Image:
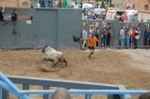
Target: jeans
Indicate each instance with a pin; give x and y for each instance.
(121, 43)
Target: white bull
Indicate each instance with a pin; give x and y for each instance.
(50, 54)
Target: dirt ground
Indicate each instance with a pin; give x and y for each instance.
(128, 67)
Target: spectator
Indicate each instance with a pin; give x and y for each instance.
(14, 18)
(123, 17)
(92, 29)
(122, 37)
(127, 38)
(135, 33)
(2, 16)
(42, 3)
(61, 93)
(130, 39)
(117, 16)
(109, 34)
(147, 37)
(145, 96)
(38, 5)
(97, 36)
(2, 19)
(84, 36)
(92, 16)
(103, 38)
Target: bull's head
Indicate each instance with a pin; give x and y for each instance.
(43, 49)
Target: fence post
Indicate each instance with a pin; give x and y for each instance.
(142, 33)
(47, 95)
(114, 97)
(0, 92)
(34, 29)
(5, 94)
(25, 86)
(87, 96)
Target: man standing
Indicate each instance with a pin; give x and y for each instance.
(2, 16)
(122, 37)
(14, 21)
(2, 19)
(84, 36)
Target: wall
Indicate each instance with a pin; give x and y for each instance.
(9, 3)
(16, 3)
(24, 3)
(118, 3)
(53, 27)
(139, 4)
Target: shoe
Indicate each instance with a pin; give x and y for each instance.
(83, 48)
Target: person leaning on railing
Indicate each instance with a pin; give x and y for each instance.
(2, 18)
(60, 93)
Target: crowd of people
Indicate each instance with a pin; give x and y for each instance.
(128, 37)
(103, 36)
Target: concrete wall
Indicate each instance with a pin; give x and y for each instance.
(118, 3)
(139, 4)
(16, 3)
(53, 27)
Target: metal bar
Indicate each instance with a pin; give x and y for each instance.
(6, 80)
(64, 83)
(87, 96)
(8, 88)
(0, 92)
(124, 96)
(5, 94)
(26, 87)
(121, 92)
(45, 96)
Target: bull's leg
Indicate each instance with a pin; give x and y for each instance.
(55, 62)
(64, 60)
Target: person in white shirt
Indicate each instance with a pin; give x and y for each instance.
(92, 30)
(84, 36)
(122, 37)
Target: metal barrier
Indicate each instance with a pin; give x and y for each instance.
(115, 26)
(6, 84)
(40, 27)
(44, 26)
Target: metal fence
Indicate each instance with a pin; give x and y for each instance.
(74, 87)
(44, 26)
(115, 26)
(41, 26)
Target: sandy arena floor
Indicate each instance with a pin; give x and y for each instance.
(128, 67)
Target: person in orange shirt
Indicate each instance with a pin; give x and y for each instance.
(91, 43)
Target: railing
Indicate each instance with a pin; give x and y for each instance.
(7, 85)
